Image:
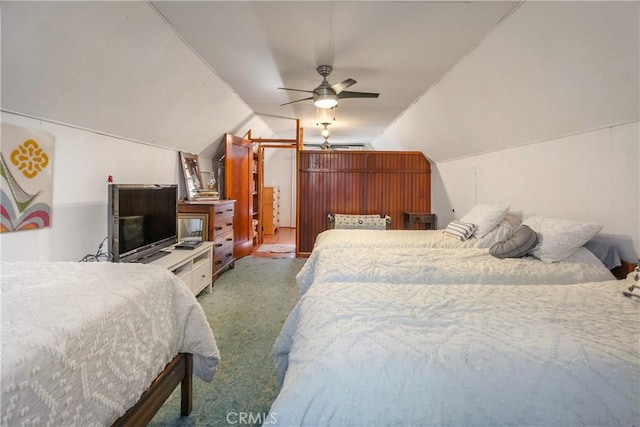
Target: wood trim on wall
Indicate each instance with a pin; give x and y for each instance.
(362, 182)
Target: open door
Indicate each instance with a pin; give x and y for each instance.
(238, 182)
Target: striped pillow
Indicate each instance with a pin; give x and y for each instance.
(460, 230)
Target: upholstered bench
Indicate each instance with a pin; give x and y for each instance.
(365, 222)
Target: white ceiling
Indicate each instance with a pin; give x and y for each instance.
(182, 74)
(396, 48)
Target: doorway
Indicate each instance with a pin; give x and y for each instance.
(279, 187)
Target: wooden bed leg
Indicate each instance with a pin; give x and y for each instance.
(186, 388)
(178, 371)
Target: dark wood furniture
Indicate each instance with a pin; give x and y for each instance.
(419, 221)
(238, 178)
(358, 182)
(178, 371)
(623, 270)
(220, 220)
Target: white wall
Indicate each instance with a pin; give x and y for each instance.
(550, 69)
(82, 162)
(548, 106)
(592, 176)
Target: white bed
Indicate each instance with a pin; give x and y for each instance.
(354, 354)
(386, 239)
(442, 266)
(81, 342)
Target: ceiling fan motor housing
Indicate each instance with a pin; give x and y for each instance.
(324, 70)
(324, 92)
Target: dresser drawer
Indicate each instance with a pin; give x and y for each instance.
(223, 211)
(222, 241)
(201, 277)
(422, 219)
(222, 226)
(222, 250)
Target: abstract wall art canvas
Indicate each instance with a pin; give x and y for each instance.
(27, 178)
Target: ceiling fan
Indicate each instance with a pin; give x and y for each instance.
(326, 95)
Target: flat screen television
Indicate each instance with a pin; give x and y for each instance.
(142, 220)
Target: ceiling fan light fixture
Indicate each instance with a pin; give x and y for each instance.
(325, 115)
(325, 132)
(326, 101)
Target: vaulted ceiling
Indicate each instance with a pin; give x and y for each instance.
(398, 49)
(455, 78)
(180, 74)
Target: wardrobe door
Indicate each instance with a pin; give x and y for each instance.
(238, 182)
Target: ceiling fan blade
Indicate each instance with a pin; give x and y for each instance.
(297, 100)
(297, 90)
(339, 87)
(347, 94)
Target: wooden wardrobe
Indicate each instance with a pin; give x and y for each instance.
(238, 176)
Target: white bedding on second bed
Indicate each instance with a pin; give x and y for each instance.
(82, 341)
(397, 354)
(443, 266)
(385, 239)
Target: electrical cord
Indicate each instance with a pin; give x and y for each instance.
(99, 256)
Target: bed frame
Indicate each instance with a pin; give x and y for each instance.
(178, 371)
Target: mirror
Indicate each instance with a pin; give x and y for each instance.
(193, 227)
(192, 175)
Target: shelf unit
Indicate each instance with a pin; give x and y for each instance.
(257, 183)
(192, 266)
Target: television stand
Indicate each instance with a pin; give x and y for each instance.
(153, 257)
(193, 267)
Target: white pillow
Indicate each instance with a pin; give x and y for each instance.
(499, 232)
(486, 217)
(559, 238)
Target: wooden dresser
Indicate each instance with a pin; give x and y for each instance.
(271, 209)
(218, 219)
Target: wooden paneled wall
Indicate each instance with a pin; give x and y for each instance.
(359, 182)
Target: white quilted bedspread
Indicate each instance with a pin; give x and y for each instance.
(460, 355)
(346, 238)
(441, 266)
(82, 341)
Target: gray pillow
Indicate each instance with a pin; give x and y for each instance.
(519, 241)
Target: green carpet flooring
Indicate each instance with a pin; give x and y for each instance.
(246, 311)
